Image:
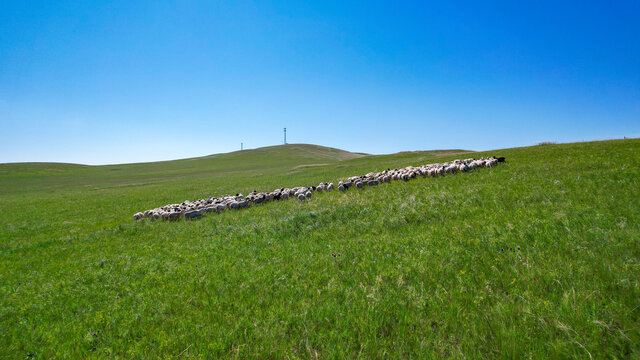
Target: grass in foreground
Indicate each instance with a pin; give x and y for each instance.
(420, 274)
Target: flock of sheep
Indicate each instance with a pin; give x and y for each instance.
(196, 209)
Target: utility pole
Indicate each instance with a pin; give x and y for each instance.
(285, 136)
(241, 146)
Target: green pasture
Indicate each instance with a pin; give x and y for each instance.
(536, 258)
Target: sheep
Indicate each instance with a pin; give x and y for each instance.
(195, 209)
(193, 214)
(175, 215)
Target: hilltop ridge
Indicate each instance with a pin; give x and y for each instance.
(292, 151)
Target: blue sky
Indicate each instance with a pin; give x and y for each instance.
(122, 81)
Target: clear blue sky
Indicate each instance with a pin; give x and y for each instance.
(100, 82)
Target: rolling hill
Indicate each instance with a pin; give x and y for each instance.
(535, 258)
(40, 176)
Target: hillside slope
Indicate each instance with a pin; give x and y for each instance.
(535, 258)
(18, 177)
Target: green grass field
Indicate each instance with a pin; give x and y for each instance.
(421, 273)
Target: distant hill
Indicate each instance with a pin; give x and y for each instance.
(289, 152)
(295, 151)
(279, 159)
(271, 162)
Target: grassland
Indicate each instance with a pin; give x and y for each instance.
(536, 258)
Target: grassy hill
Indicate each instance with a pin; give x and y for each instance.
(536, 258)
(38, 176)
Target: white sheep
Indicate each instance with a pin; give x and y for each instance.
(196, 209)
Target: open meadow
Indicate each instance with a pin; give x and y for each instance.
(538, 257)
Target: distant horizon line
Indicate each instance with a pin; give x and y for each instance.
(546, 142)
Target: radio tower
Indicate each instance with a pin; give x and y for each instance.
(285, 136)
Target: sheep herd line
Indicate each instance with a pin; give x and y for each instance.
(198, 208)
